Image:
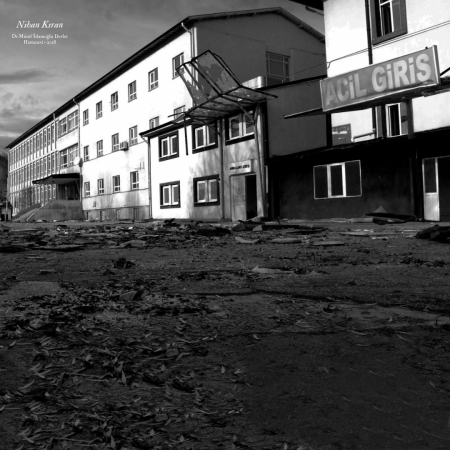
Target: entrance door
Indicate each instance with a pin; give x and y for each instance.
(244, 197)
(430, 186)
(444, 188)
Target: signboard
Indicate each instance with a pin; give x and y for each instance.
(384, 79)
(342, 134)
(241, 167)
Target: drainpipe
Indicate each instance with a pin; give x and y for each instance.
(222, 171)
(370, 54)
(149, 177)
(261, 166)
(80, 188)
(191, 38)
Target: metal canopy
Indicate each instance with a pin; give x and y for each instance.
(215, 90)
(60, 178)
(402, 96)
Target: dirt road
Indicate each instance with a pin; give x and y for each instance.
(158, 338)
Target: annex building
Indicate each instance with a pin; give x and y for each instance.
(116, 151)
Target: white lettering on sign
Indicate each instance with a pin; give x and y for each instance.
(384, 78)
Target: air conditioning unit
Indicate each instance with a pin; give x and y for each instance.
(124, 145)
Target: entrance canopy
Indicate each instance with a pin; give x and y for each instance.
(215, 90)
(59, 178)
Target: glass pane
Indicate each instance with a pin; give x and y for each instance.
(404, 118)
(320, 182)
(174, 144)
(234, 128)
(211, 135)
(386, 22)
(276, 68)
(429, 169)
(166, 195)
(200, 140)
(249, 124)
(213, 185)
(353, 178)
(201, 191)
(394, 124)
(336, 180)
(165, 150)
(175, 194)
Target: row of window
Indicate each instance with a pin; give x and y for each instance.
(134, 184)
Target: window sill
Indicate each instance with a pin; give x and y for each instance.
(100, 116)
(169, 206)
(236, 140)
(387, 37)
(204, 149)
(153, 88)
(338, 197)
(131, 99)
(201, 204)
(165, 158)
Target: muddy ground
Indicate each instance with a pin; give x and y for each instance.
(203, 342)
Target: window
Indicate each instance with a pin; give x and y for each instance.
(116, 183)
(72, 120)
(114, 101)
(176, 62)
(241, 126)
(62, 127)
(53, 132)
(133, 135)
(100, 148)
(204, 137)
(277, 68)
(49, 137)
(134, 180)
(153, 79)
(64, 158)
(170, 195)
(87, 189)
(100, 186)
(132, 91)
(115, 142)
(86, 153)
(337, 180)
(206, 191)
(85, 117)
(45, 140)
(168, 146)
(177, 112)
(73, 153)
(388, 19)
(98, 110)
(154, 122)
(397, 119)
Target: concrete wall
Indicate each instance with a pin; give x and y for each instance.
(60, 210)
(243, 42)
(345, 30)
(298, 134)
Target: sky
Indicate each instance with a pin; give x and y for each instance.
(36, 79)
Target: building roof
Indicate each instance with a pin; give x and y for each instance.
(155, 44)
(317, 4)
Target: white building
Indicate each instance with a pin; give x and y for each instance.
(96, 155)
(403, 164)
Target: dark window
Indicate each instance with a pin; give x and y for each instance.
(388, 19)
(168, 146)
(353, 178)
(207, 191)
(336, 175)
(169, 194)
(429, 168)
(320, 182)
(204, 137)
(337, 180)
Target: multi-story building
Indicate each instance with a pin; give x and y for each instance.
(390, 151)
(90, 152)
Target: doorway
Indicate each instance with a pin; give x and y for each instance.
(436, 187)
(244, 197)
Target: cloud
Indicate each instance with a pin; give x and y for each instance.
(24, 76)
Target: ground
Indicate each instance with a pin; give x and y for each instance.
(147, 336)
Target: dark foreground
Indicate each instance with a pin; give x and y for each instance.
(187, 341)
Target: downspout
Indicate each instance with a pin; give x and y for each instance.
(191, 38)
(56, 152)
(222, 171)
(261, 165)
(370, 55)
(149, 178)
(80, 188)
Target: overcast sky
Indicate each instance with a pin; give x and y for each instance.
(37, 79)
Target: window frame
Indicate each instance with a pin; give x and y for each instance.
(64, 155)
(169, 138)
(74, 118)
(134, 180)
(208, 145)
(116, 186)
(175, 67)
(115, 147)
(242, 125)
(86, 117)
(376, 20)
(178, 111)
(101, 186)
(114, 101)
(156, 119)
(99, 110)
(170, 186)
(86, 152)
(132, 95)
(399, 124)
(100, 150)
(207, 180)
(131, 131)
(344, 180)
(155, 83)
(87, 189)
(285, 78)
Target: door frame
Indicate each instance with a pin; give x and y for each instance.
(425, 195)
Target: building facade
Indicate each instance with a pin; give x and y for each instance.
(93, 150)
(388, 155)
